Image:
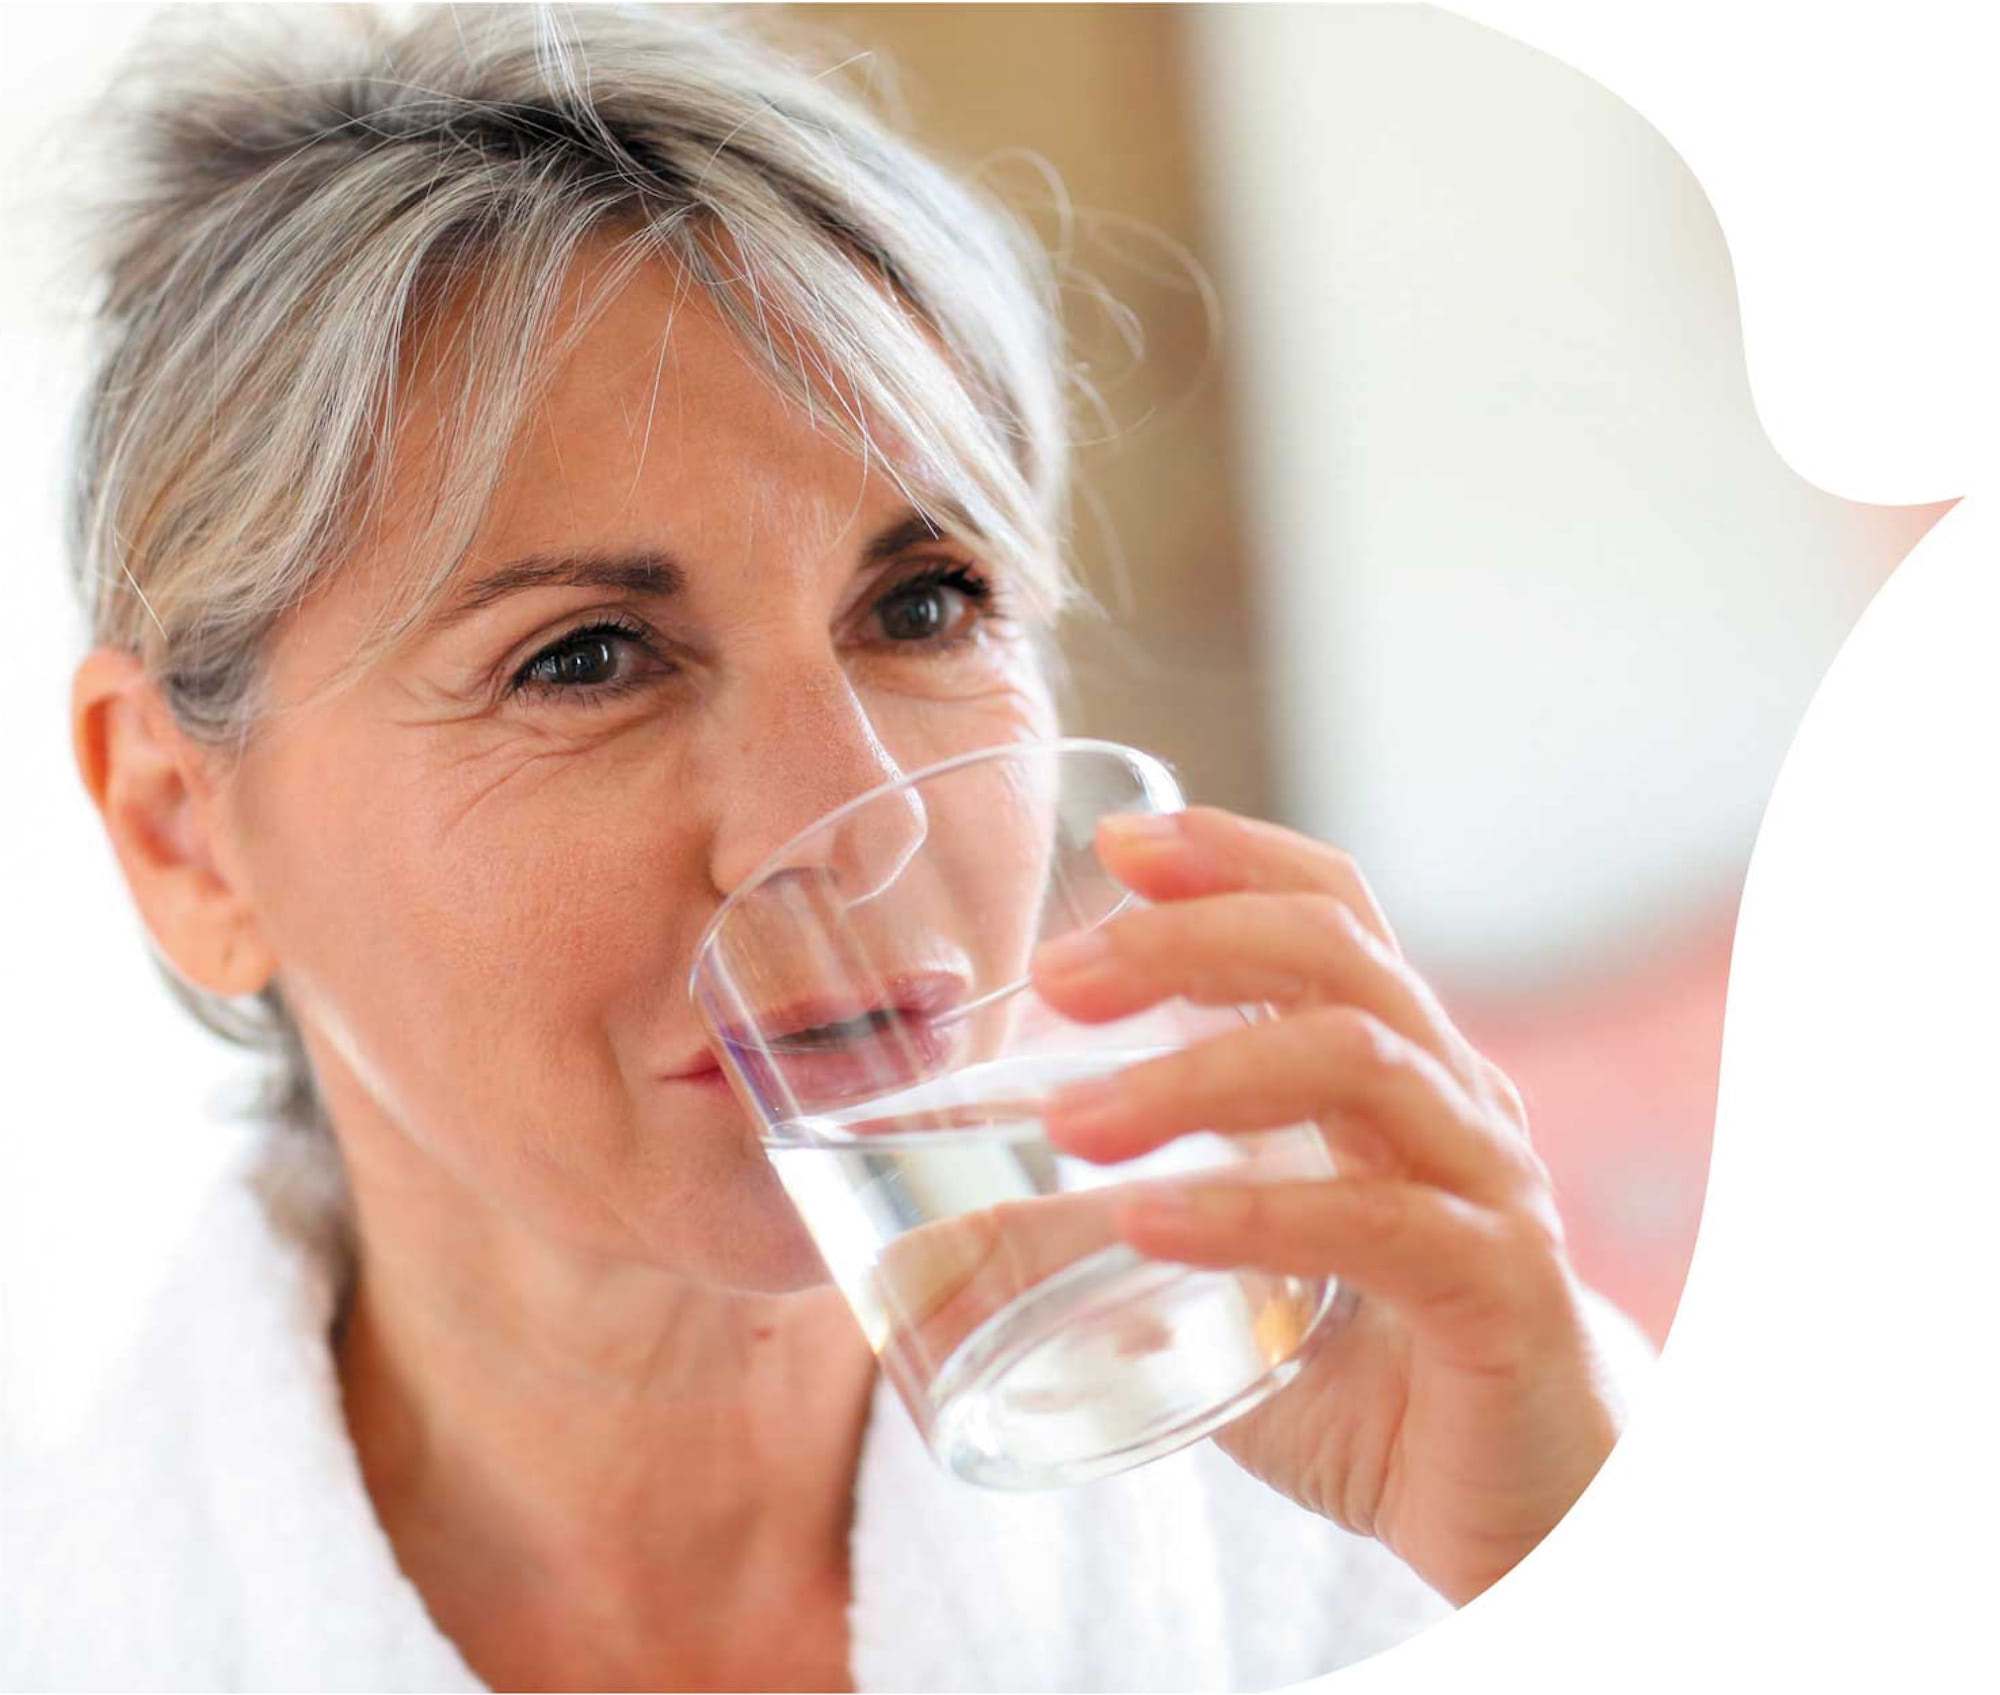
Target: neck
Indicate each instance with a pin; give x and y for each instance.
(528, 1418)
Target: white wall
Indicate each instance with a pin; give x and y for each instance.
(1543, 607)
(102, 1126)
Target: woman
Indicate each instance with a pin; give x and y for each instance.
(537, 466)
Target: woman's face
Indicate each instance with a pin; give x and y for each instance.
(687, 629)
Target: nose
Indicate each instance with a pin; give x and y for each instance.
(802, 747)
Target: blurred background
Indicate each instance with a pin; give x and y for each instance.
(1451, 535)
(1423, 496)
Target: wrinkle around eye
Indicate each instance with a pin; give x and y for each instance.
(485, 750)
(520, 763)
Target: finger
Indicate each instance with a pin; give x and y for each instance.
(1470, 1278)
(1291, 950)
(1334, 1065)
(935, 1285)
(1203, 850)
(1206, 850)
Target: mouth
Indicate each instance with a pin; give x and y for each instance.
(818, 1022)
(838, 1034)
(838, 1045)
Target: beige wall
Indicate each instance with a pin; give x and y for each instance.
(1534, 604)
(1097, 92)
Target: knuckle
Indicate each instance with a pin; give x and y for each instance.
(1541, 1221)
(1202, 985)
(1134, 935)
(1347, 879)
(1150, 940)
(1504, 1276)
(1172, 933)
(1344, 868)
(1206, 826)
(1172, 1084)
(1492, 1289)
(1533, 1171)
(1165, 1078)
(1355, 1040)
(1246, 1207)
(1504, 1092)
(1210, 982)
(1504, 1109)
(1399, 1227)
(1327, 920)
(1531, 1257)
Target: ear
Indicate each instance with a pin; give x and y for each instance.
(154, 787)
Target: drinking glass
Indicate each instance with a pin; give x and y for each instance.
(866, 992)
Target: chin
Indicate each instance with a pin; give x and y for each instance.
(716, 1214)
(781, 1273)
(778, 1260)
(756, 1244)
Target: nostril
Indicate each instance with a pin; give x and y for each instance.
(875, 843)
(847, 851)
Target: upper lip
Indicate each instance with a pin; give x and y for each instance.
(910, 994)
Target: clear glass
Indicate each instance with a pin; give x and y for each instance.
(867, 993)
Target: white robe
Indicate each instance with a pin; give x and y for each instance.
(209, 1528)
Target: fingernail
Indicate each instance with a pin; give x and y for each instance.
(1074, 955)
(1150, 829)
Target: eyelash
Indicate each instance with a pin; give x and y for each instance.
(968, 580)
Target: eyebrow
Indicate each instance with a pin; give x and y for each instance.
(639, 571)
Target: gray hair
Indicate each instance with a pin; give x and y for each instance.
(296, 199)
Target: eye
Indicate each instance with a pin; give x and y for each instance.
(915, 613)
(594, 661)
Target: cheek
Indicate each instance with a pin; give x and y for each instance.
(494, 945)
(502, 980)
(1016, 706)
(998, 855)
(470, 935)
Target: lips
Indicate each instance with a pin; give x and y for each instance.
(840, 1044)
(803, 1024)
(891, 1055)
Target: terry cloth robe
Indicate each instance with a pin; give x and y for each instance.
(209, 1529)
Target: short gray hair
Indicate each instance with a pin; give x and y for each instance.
(297, 196)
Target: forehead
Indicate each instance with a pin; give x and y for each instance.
(654, 430)
(659, 418)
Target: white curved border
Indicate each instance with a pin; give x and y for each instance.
(1850, 154)
(1802, 1498)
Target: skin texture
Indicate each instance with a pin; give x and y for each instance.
(588, 1327)
(591, 1360)
(1461, 1411)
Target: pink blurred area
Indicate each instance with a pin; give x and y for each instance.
(1620, 1082)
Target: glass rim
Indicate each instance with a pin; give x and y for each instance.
(997, 750)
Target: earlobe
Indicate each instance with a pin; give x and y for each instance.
(149, 783)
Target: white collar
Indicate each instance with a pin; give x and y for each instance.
(212, 1527)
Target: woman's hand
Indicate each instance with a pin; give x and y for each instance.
(1462, 1407)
